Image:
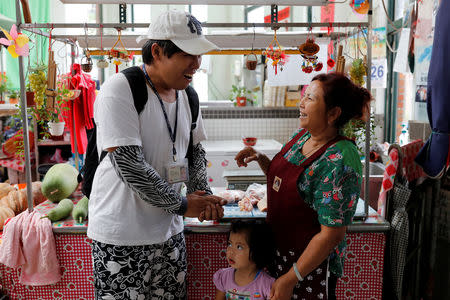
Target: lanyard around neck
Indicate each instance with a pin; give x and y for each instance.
(172, 134)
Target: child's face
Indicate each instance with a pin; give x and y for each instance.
(238, 251)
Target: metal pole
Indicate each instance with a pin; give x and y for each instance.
(204, 24)
(23, 114)
(47, 35)
(368, 125)
(72, 59)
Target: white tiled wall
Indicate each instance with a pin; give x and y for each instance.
(231, 129)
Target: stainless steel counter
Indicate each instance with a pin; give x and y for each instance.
(374, 223)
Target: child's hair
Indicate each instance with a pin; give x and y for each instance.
(259, 237)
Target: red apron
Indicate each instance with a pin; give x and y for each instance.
(294, 222)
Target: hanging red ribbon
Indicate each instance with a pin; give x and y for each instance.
(50, 39)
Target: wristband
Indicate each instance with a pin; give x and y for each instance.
(297, 273)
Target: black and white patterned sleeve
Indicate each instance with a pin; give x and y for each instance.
(132, 168)
(197, 171)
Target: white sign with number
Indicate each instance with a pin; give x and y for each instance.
(378, 73)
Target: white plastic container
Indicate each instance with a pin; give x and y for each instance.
(220, 156)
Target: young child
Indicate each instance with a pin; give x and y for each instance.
(250, 249)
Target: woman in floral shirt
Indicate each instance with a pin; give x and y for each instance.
(313, 185)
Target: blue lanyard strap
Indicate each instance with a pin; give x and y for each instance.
(172, 134)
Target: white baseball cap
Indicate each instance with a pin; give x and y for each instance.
(183, 29)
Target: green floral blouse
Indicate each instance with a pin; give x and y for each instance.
(331, 186)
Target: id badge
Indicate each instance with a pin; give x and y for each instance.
(177, 171)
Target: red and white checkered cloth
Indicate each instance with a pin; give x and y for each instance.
(15, 164)
(388, 180)
(411, 169)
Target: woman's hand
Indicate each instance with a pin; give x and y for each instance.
(245, 156)
(283, 287)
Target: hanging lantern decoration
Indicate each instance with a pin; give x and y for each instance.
(360, 6)
(117, 56)
(308, 50)
(86, 63)
(102, 63)
(275, 52)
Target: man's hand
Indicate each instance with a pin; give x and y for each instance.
(205, 207)
(283, 287)
(245, 156)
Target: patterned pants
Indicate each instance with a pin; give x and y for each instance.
(315, 284)
(149, 272)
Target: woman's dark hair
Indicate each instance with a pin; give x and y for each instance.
(168, 47)
(260, 240)
(339, 91)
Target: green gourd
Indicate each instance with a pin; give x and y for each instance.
(59, 182)
(80, 211)
(61, 211)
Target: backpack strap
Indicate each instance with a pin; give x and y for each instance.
(194, 105)
(138, 86)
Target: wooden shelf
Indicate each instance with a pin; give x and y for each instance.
(53, 143)
(7, 109)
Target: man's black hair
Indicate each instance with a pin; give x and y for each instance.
(260, 240)
(167, 46)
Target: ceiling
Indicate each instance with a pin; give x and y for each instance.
(208, 2)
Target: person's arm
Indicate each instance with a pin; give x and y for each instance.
(197, 171)
(249, 154)
(220, 295)
(318, 249)
(263, 162)
(132, 168)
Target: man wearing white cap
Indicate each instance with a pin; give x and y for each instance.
(135, 207)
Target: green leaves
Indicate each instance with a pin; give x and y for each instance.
(242, 91)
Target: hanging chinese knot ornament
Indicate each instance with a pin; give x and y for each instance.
(276, 54)
(308, 50)
(119, 55)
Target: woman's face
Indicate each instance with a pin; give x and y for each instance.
(313, 111)
(238, 251)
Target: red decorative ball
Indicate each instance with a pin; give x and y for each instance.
(331, 62)
(318, 67)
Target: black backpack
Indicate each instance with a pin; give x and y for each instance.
(138, 85)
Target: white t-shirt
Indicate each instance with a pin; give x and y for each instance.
(116, 214)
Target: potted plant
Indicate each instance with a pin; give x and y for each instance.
(3, 86)
(29, 94)
(13, 97)
(240, 95)
(50, 116)
(355, 129)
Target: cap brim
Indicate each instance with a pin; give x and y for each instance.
(195, 46)
(141, 38)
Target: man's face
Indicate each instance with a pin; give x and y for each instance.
(178, 70)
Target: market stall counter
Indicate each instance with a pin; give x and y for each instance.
(206, 246)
